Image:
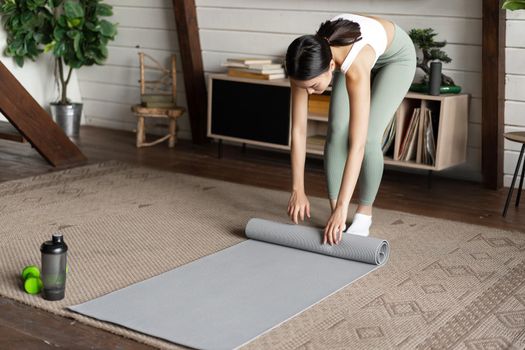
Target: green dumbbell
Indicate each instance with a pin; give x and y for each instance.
(30, 271)
(33, 285)
(32, 282)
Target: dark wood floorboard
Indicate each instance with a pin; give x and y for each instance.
(24, 327)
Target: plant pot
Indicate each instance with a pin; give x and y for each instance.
(67, 117)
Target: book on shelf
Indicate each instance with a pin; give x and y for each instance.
(237, 73)
(428, 142)
(254, 68)
(418, 143)
(258, 67)
(249, 60)
(408, 146)
(260, 71)
(411, 147)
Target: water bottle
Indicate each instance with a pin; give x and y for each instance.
(435, 78)
(54, 260)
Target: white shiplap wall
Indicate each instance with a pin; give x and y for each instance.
(109, 90)
(230, 28)
(514, 89)
(236, 28)
(37, 77)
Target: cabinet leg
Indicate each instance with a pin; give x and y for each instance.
(509, 196)
(520, 188)
(219, 149)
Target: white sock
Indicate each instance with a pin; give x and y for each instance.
(360, 225)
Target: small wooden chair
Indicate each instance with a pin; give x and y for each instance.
(158, 99)
(516, 136)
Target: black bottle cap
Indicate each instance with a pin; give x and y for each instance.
(55, 246)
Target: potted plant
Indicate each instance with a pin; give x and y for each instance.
(424, 40)
(73, 31)
(514, 5)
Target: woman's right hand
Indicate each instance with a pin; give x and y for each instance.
(298, 205)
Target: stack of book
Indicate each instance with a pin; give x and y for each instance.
(255, 68)
(419, 143)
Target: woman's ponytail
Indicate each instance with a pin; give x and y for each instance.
(339, 32)
(309, 55)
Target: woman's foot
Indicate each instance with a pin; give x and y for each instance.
(360, 225)
(362, 221)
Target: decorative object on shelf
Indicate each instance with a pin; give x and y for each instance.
(158, 99)
(424, 88)
(255, 68)
(431, 50)
(74, 32)
(435, 77)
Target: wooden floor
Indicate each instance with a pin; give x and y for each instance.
(23, 327)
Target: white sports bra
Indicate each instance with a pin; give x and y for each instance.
(372, 32)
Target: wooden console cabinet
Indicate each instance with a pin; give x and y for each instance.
(258, 112)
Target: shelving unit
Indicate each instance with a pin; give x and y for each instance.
(264, 108)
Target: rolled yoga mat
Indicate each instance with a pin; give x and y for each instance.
(226, 299)
(365, 249)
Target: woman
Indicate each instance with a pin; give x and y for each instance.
(352, 49)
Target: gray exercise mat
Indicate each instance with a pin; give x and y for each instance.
(226, 299)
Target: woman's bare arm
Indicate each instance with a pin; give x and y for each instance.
(358, 86)
(299, 122)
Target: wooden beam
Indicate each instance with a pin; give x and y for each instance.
(33, 122)
(493, 94)
(190, 51)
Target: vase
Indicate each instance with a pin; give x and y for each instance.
(67, 117)
(435, 78)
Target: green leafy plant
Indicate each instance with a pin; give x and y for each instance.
(74, 31)
(513, 5)
(424, 39)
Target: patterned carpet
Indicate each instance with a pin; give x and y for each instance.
(447, 284)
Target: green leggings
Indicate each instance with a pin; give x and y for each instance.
(393, 73)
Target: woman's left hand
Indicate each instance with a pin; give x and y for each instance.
(333, 231)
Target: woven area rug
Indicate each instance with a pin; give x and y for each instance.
(447, 284)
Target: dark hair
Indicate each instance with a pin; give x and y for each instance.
(310, 55)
